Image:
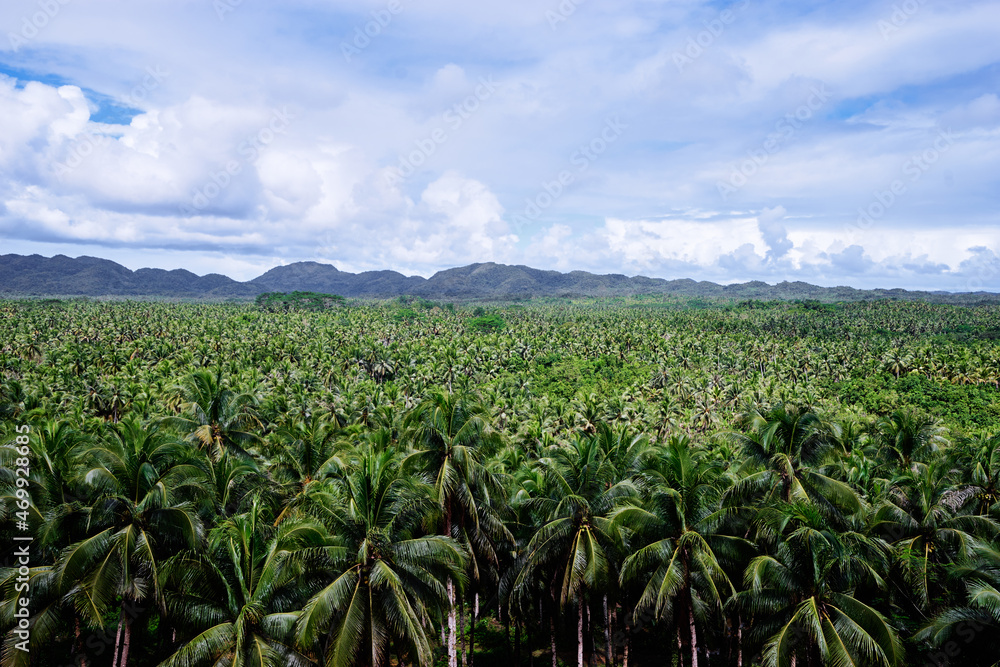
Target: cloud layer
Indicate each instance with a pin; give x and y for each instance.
(840, 143)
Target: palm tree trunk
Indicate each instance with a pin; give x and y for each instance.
(452, 631)
(472, 630)
(607, 634)
(552, 637)
(452, 649)
(78, 644)
(579, 633)
(128, 639)
(118, 637)
(680, 646)
(591, 644)
(505, 619)
(461, 632)
(739, 641)
(694, 637)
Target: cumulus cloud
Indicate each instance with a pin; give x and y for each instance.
(458, 220)
(245, 156)
(643, 244)
(773, 232)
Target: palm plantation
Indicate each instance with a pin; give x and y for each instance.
(591, 483)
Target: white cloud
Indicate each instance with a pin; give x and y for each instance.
(318, 188)
(459, 221)
(643, 244)
(858, 56)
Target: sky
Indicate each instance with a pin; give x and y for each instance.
(838, 143)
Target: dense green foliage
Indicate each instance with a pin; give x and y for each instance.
(299, 300)
(598, 482)
(487, 323)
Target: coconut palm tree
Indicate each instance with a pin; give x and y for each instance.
(307, 452)
(923, 518)
(802, 600)
(906, 436)
(216, 418)
(450, 435)
(386, 581)
(788, 446)
(137, 480)
(974, 626)
(55, 506)
(577, 545)
(233, 484)
(678, 548)
(979, 460)
(52, 610)
(237, 603)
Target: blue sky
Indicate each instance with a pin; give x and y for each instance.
(839, 143)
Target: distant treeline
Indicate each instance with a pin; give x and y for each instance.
(298, 300)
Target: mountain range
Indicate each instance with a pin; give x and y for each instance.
(34, 275)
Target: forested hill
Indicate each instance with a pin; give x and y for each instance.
(35, 275)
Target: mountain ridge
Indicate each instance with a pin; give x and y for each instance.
(35, 275)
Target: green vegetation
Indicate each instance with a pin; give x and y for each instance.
(101, 278)
(487, 324)
(641, 480)
(298, 301)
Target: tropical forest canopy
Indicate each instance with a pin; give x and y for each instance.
(308, 480)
